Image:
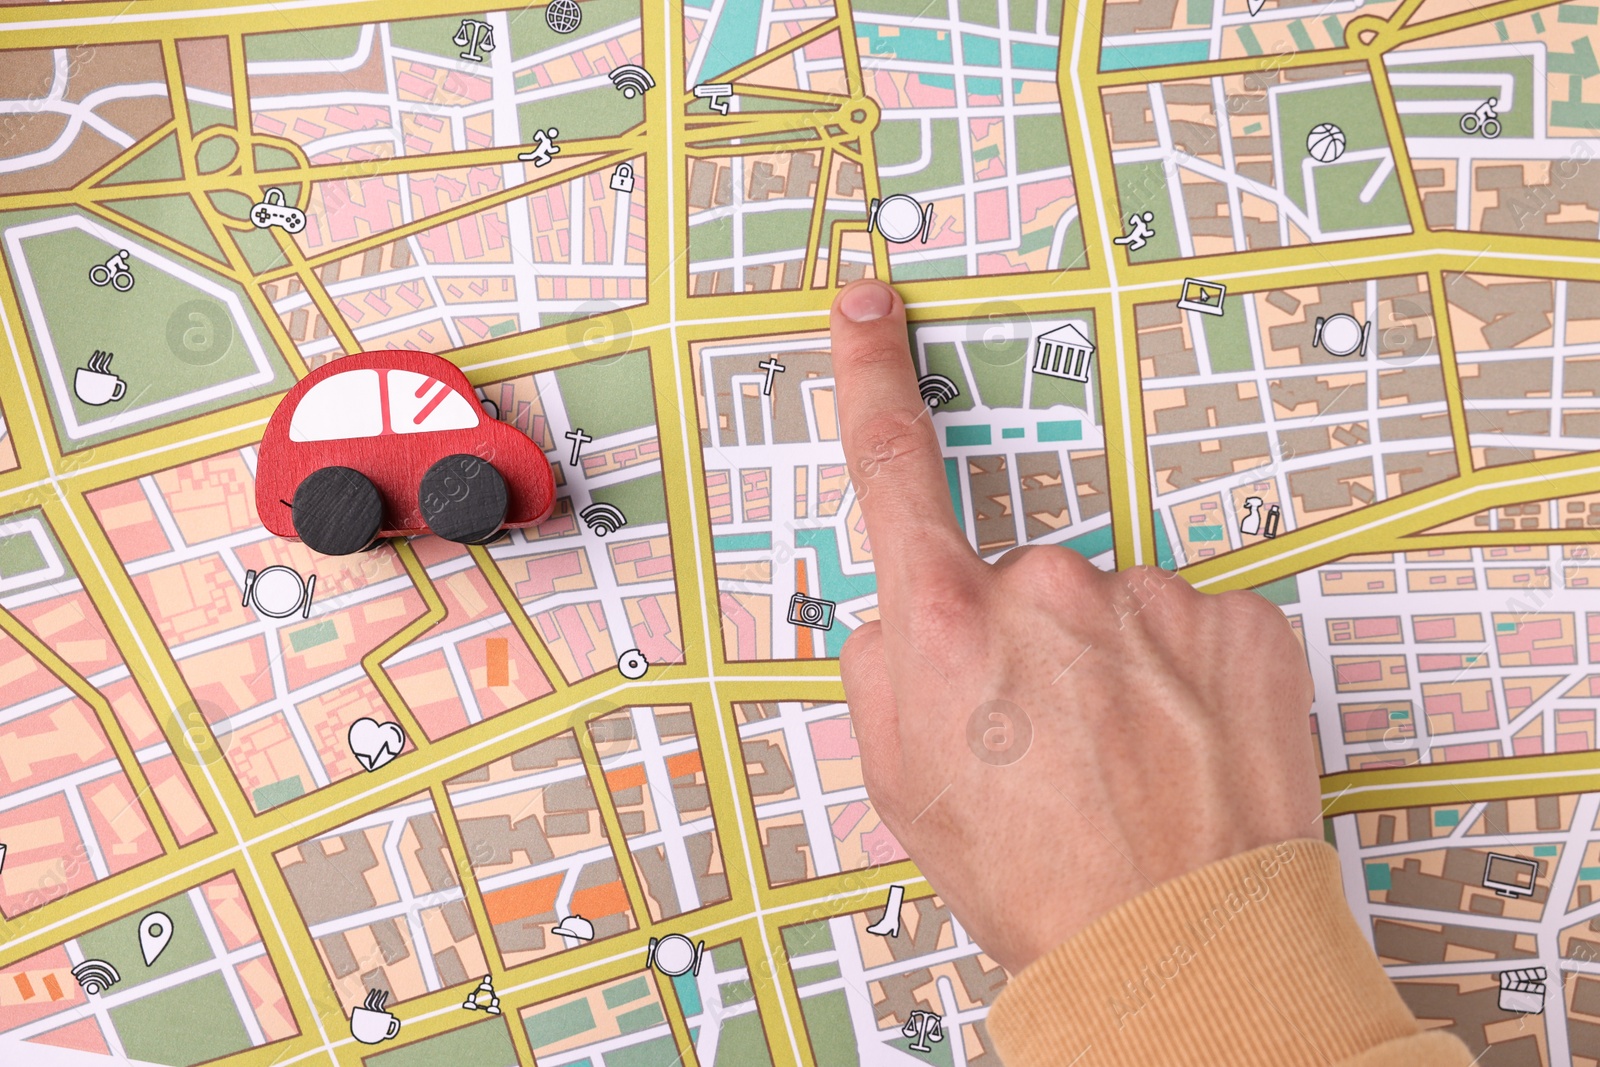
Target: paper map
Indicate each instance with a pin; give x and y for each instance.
(1301, 297)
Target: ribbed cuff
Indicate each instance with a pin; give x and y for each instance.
(1253, 960)
(1431, 1048)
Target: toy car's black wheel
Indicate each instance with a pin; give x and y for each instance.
(463, 499)
(337, 511)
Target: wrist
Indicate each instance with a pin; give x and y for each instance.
(1260, 948)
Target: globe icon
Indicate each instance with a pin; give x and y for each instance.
(1325, 142)
(563, 16)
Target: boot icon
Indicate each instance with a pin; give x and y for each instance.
(889, 925)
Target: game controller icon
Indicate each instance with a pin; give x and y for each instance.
(274, 212)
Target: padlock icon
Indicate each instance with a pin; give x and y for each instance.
(622, 178)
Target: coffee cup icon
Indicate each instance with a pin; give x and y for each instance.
(95, 385)
(371, 1025)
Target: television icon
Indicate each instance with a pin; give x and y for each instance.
(1510, 876)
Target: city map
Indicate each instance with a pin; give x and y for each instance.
(1298, 296)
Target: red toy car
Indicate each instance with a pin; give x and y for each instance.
(389, 444)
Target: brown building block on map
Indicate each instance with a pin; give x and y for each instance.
(1471, 1007)
(1405, 942)
(1322, 395)
(1210, 406)
(1044, 495)
(1499, 313)
(1179, 466)
(1092, 479)
(1527, 423)
(1410, 385)
(1581, 376)
(1128, 117)
(1164, 347)
(1416, 470)
(1528, 197)
(29, 74)
(1136, 16)
(1513, 379)
(993, 511)
(1334, 488)
(1412, 427)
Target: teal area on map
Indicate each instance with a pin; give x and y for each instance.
(275, 793)
(952, 477)
(734, 41)
(1165, 558)
(750, 542)
(1379, 876)
(834, 584)
(907, 42)
(1133, 56)
(688, 990)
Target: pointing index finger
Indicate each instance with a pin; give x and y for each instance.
(890, 445)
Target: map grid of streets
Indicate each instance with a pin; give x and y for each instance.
(1300, 298)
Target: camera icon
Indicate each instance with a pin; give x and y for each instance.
(809, 611)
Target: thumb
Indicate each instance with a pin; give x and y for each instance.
(871, 699)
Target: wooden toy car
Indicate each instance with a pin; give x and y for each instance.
(389, 444)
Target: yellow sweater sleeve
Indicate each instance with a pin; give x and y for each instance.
(1253, 961)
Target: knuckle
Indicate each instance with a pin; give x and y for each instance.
(1261, 623)
(858, 647)
(1049, 569)
(947, 590)
(942, 619)
(1146, 582)
(888, 440)
(1149, 596)
(1253, 609)
(940, 631)
(1148, 574)
(878, 352)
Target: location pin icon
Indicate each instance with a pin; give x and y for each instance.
(155, 930)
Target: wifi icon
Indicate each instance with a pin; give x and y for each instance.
(96, 976)
(633, 80)
(936, 389)
(603, 518)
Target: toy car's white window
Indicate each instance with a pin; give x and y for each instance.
(338, 407)
(420, 404)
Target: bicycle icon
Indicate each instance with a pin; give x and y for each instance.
(1484, 120)
(113, 272)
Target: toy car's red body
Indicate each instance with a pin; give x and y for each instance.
(391, 416)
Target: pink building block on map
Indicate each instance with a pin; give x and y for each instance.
(650, 634)
(834, 739)
(881, 847)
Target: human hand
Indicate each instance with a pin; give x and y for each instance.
(1045, 739)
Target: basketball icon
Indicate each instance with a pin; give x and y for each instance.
(1325, 142)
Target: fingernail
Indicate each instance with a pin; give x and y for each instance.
(866, 301)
